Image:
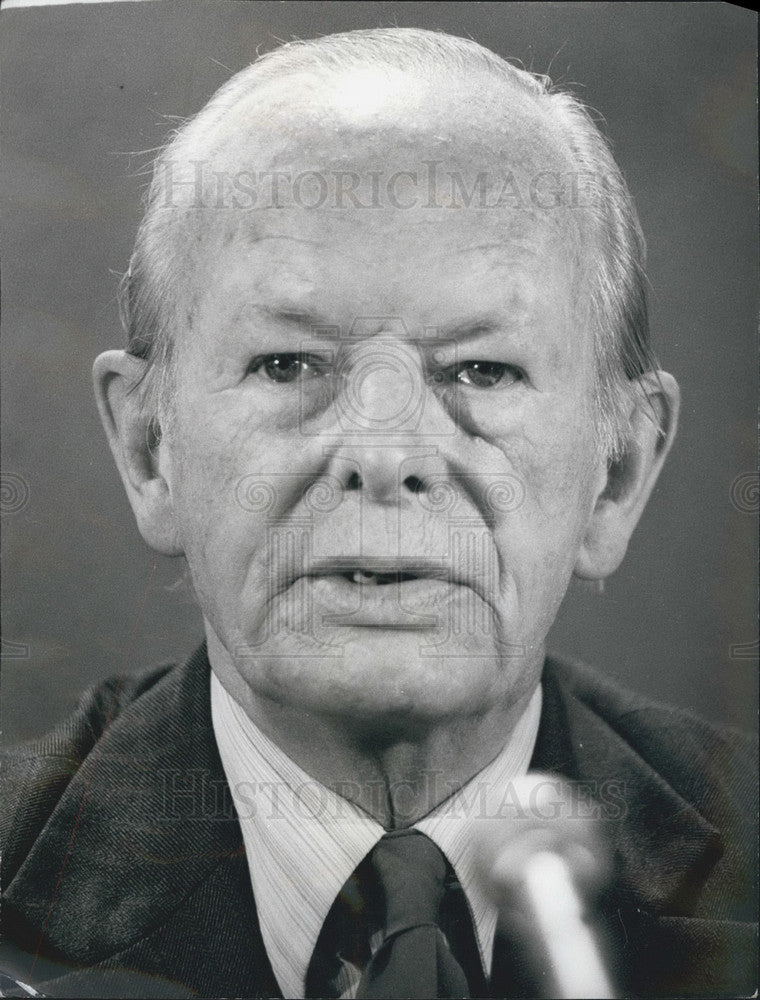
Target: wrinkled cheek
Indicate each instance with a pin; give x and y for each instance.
(538, 544)
(214, 529)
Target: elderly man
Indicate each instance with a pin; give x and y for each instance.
(388, 388)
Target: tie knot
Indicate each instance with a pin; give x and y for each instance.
(411, 872)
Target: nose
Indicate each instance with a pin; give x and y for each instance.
(383, 389)
(392, 427)
(386, 475)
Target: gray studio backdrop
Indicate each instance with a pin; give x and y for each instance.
(85, 85)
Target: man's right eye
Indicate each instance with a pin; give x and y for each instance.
(284, 367)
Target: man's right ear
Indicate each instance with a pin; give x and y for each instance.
(136, 446)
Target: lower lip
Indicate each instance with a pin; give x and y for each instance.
(413, 604)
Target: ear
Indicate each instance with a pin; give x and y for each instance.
(626, 487)
(135, 440)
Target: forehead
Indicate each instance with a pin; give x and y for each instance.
(366, 179)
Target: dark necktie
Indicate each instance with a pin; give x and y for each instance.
(413, 959)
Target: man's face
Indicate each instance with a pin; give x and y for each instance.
(382, 463)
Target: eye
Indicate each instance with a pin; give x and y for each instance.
(285, 367)
(485, 374)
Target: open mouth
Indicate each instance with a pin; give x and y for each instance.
(368, 578)
(382, 592)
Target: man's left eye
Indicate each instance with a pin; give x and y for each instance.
(284, 367)
(485, 374)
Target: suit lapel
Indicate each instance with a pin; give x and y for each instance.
(209, 945)
(142, 865)
(663, 849)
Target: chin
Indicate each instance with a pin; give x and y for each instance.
(369, 675)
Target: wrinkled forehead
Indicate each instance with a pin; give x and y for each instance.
(381, 163)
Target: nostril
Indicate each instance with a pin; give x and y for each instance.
(414, 484)
(354, 481)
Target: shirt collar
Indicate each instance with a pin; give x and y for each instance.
(303, 841)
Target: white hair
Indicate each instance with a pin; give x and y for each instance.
(614, 286)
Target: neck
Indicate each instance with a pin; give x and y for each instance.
(397, 772)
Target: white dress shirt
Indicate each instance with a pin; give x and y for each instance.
(303, 840)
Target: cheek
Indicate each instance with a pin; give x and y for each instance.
(556, 472)
(205, 489)
(233, 490)
(561, 488)
(213, 499)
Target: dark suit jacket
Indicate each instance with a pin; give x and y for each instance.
(125, 873)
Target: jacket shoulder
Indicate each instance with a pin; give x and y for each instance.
(708, 764)
(674, 741)
(34, 774)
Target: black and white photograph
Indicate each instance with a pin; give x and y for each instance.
(379, 499)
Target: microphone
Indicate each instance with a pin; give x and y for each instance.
(542, 864)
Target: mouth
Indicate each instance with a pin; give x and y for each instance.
(368, 578)
(382, 572)
(384, 593)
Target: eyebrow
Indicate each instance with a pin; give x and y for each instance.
(285, 314)
(477, 328)
(303, 320)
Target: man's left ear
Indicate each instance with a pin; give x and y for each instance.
(630, 479)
